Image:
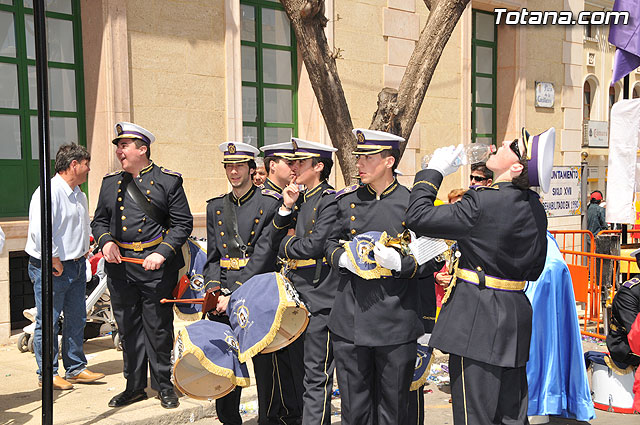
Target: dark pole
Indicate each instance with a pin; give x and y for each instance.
(625, 95)
(45, 211)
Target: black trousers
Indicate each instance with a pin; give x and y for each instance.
(374, 381)
(487, 394)
(146, 329)
(416, 407)
(279, 381)
(228, 407)
(318, 371)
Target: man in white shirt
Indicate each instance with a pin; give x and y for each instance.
(70, 244)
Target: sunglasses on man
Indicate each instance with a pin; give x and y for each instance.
(477, 178)
(516, 149)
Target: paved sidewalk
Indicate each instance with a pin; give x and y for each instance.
(21, 398)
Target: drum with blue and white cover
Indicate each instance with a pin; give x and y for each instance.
(424, 358)
(266, 314)
(194, 252)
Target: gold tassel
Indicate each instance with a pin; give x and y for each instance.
(452, 272)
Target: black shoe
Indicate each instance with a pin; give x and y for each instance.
(127, 397)
(168, 399)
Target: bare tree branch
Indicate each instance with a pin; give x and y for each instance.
(399, 115)
(308, 21)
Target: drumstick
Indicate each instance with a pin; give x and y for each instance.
(132, 260)
(184, 301)
(209, 302)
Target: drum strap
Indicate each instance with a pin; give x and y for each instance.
(307, 227)
(149, 208)
(235, 245)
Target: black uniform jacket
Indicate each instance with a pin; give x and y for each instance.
(254, 213)
(119, 218)
(316, 218)
(501, 231)
(626, 306)
(375, 312)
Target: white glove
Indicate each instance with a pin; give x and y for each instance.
(387, 257)
(447, 160)
(346, 263)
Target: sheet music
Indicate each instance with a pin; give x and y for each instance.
(425, 248)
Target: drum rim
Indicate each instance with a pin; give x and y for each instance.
(605, 407)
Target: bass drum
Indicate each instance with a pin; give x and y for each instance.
(611, 391)
(205, 361)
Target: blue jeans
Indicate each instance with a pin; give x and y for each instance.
(68, 297)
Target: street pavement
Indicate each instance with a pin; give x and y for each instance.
(20, 396)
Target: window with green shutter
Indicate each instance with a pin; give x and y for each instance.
(19, 157)
(269, 73)
(484, 43)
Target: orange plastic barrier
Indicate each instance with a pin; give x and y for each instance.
(586, 276)
(575, 240)
(609, 232)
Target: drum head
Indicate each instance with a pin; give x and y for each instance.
(194, 380)
(294, 322)
(205, 361)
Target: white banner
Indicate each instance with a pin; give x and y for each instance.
(623, 174)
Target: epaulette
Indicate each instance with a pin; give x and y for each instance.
(115, 173)
(480, 188)
(631, 282)
(170, 172)
(329, 192)
(346, 190)
(222, 195)
(272, 193)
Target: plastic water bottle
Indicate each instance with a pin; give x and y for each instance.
(472, 153)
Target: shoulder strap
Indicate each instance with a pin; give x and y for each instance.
(235, 245)
(149, 208)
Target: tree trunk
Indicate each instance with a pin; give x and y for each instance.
(308, 21)
(397, 109)
(398, 116)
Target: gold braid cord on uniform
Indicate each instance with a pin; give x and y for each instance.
(453, 268)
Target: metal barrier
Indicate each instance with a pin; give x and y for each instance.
(589, 286)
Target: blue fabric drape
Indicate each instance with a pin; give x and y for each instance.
(556, 371)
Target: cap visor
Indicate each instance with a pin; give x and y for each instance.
(128, 136)
(360, 151)
(236, 160)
